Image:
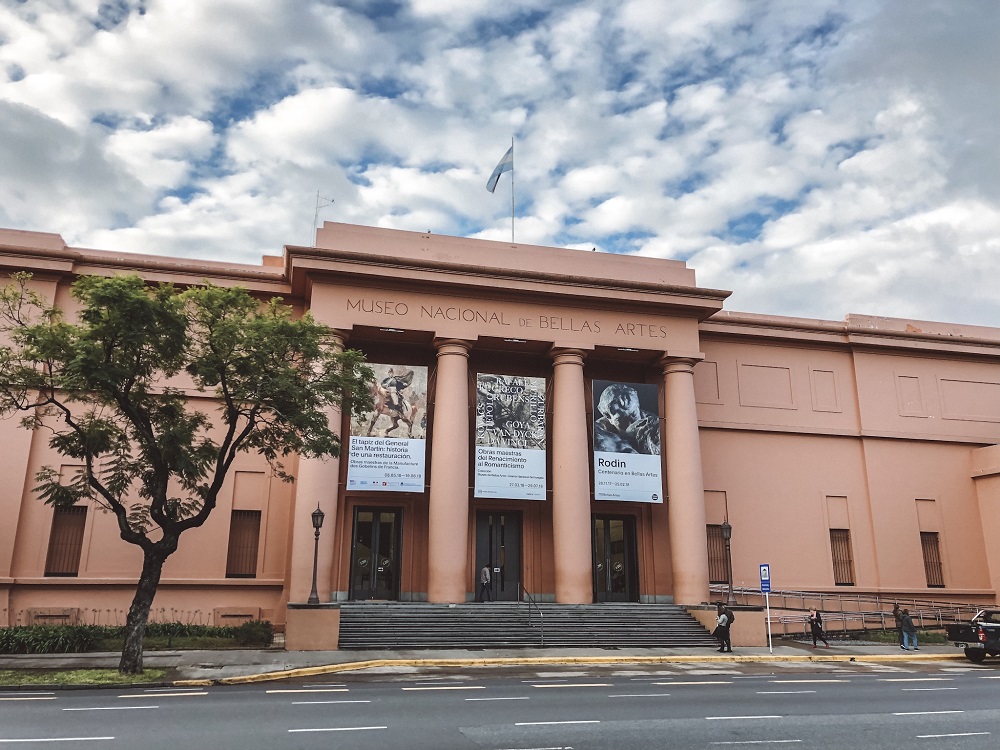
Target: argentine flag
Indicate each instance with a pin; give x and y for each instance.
(506, 165)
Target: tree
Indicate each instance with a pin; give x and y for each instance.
(109, 386)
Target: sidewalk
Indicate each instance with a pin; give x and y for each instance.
(235, 666)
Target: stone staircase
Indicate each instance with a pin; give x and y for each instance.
(398, 625)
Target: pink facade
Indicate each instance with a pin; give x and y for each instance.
(858, 455)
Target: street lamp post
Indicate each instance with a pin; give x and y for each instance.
(317, 519)
(727, 536)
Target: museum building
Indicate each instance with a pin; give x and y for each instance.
(583, 425)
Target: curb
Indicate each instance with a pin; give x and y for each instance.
(542, 660)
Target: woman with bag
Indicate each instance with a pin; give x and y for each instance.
(816, 626)
(722, 630)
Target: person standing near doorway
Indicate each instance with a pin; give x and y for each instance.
(485, 590)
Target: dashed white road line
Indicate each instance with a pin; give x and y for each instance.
(312, 690)
(737, 718)
(640, 695)
(957, 734)
(784, 692)
(336, 729)
(162, 695)
(507, 698)
(549, 723)
(31, 698)
(58, 739)
(917, 690)
(317, 703)
(448, 687)
(805, 682)
(111, 708)
(703, 682)
(755, 742)
(915, 679)
(574, 685)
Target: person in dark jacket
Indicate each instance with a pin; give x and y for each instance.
(485, 590)
(721, 632)
(909, 631)
(897, 615)
(816, 626)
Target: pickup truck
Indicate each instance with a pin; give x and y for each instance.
(980, 637)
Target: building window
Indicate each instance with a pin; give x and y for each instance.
(843, 561)
(932, 559)
(66, 541)
(244, 538)
(716, 555)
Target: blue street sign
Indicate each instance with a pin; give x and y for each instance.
(765, 578)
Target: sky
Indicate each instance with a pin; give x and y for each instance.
(816, 157)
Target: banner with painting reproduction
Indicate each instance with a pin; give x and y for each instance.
(627, 442)
(510, 437)
(388, 442)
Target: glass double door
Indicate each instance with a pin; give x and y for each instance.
(616, 576)
(375, 553)
(498, 546)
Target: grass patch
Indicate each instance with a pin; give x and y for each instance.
(77, 677)
(163, 643)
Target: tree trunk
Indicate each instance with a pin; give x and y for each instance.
(138, 613)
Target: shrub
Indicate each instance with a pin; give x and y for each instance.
(254, 633)
(50, 639)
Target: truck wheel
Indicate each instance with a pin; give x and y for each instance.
(975, 655)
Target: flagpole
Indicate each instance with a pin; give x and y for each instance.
(512, 190)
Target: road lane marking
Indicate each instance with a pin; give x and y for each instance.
(729, 718)
(549, 723)
(32, 698)
(640, 695)
(915, 690)
(563, 747)
(336, 729)
(173, 690)
(915, 679)
(804, 682)
(516, 698)
(161, 695)
(576, 685)
(26, 692)
(754, 742)
(316, 703)
(957, 734)
(547, 680)
(448, 687)
(703, 682)
(989, 676)
(925, 713)
(305, 690)
(60, 739)
(784, 692)
(326, 685)
(110, 708)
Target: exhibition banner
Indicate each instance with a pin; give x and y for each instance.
(388, 442)
(510, 437)
(627, 442)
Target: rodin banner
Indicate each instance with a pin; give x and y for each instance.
(388, 442)
(627, 442)
(510, 437)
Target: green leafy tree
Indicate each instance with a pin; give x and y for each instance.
(109, 388)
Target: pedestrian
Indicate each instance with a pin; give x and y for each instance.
(721, 632)
(816, 626)
(897, 615)
(485, 590)
(909, 631)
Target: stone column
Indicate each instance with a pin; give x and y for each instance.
(685, 484)
(448, 512)
(571, 523)
(317, 483)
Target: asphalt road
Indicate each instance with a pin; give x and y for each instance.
(864, 706)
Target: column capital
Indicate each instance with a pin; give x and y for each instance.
(567, 356)
(679, 362)
(452, 346)
(338, 338)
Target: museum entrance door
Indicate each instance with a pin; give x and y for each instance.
(616, 575)
(498, 545)
(375, 553)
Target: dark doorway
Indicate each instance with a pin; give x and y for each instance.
(375, 553)
(498, 545)
(616, 574)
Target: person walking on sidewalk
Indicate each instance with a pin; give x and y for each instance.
(897, 615)
(723, 622)
(485, 590)
(909, 631)
(816, 626)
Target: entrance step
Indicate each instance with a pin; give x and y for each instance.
(396, 625)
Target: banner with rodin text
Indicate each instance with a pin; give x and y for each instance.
(387, 449)
(510, 437)
(627, 442)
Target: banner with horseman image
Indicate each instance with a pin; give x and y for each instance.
(388, 442)
(510, 437)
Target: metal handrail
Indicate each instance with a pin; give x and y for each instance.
(854, 611)
(532, 602)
